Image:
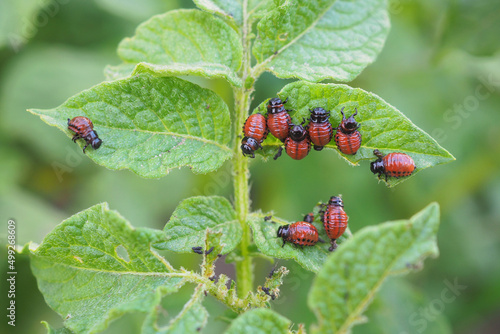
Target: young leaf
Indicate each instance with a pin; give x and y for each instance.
(352, 275)
(383, 127)
(184, 42)
(259, 321)
(94, 267)
(213, 249)
(191, 319)
(232, 10)
(265, 237)
(186, 228)
(151, 125)
(273, 283)
(321, 39)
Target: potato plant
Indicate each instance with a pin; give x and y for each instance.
(95, 266)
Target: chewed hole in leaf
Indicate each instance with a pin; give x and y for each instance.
(122, 253)
(163, 317)
(283, 37)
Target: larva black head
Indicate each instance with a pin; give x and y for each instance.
(319, 115)
(275, 102)
(336, 201)
(350, 124)
(275, 105)
(297, 132)
(377, 166)
(248, 146)
(96, 143)
(283, 231)
(94, 140)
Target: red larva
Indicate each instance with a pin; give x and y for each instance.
(83, 128)
(297, 150)
(393, 164)
(255, 127)
(255, 131)
(320, 129)
(299, 234)
(278, 119)
(298, 145)
(348, 138)
(334, 220)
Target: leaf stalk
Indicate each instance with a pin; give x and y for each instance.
(241, 174)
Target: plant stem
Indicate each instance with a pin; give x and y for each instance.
(242, 98)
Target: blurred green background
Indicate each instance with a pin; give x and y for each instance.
(440, 66)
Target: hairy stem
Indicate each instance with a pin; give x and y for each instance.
(242, 97)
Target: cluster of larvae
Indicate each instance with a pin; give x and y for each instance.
(304, 233)
(297, 139)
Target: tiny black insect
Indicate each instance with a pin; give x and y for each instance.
(209, 251)
(197, 250)
(272, 272)
(266, 291)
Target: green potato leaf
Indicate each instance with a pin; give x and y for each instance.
(321, 39)
(150, 125)
(383, 127)
(351, 276)
(187, 226)
(182, 42)
(94, 267)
